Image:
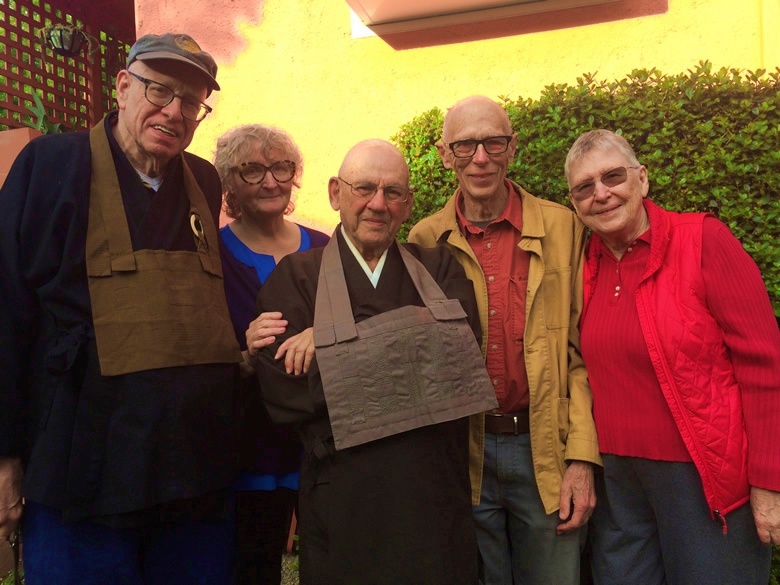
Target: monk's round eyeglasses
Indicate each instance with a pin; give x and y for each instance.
(366, 190)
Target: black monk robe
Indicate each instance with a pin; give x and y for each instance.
(109, 448)
(392, 511)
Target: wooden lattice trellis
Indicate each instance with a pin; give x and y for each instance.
(74, 90)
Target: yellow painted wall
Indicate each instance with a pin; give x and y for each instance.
(294, 64)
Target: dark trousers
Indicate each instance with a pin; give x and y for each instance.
(262, 524)
(186, 552)
(652, 526)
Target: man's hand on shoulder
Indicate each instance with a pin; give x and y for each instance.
(10, 496)
(578, 496)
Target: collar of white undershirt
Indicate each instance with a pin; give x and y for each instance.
(372, 276)
(153, 182)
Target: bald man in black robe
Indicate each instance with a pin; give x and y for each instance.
(396, 509)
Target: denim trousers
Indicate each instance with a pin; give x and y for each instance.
(87, 553)
(516, 537)
(652, 526)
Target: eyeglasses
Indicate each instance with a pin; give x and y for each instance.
(254, 173)
(491, 144)
(159, 95)
(611, 178)
(391, 193)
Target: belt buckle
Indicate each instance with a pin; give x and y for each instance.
(514, 421)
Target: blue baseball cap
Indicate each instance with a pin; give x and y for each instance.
(175, 47)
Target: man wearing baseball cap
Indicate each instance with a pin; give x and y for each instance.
(117, 356)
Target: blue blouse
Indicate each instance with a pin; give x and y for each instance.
(270, 454)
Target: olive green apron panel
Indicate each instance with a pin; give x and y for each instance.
(397, 371)
(152, 308)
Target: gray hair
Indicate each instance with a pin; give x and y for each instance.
(235, 145)
(598, 140)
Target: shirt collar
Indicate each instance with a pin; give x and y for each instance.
(372, 276)
(512, 213)
(644, 238)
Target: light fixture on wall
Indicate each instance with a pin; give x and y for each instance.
(68, 40)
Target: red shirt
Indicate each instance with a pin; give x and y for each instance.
(505, 268)
(632, 417)
(631, 414)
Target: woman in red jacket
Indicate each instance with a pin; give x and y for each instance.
(683, 357)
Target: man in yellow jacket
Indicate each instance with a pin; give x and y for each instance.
(531, 460)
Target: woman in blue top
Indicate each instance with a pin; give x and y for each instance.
(259, 167)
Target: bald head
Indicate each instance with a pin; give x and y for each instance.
(478, 144)
(372, 152)
(475, 108)
(371, 194)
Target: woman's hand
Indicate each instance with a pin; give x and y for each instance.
(262, 332)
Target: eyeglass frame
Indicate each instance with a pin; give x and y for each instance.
(580, 197)
(477, 142)
(147, 82)
(376, 189)
(266, 170)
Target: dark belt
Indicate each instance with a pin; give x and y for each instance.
(507, 424)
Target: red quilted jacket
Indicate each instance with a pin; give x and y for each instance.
(689, 356)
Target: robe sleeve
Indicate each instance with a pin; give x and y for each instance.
(291, 289)
(42, 229)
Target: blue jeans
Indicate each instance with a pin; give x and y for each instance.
(517, 539)
(86, 553)
(652, 526)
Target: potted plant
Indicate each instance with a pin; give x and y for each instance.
(12, 141)
(42, 122)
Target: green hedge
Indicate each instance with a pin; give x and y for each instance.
(710, 140)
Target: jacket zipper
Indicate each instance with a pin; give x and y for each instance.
(722, 520)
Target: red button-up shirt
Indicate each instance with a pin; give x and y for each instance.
(631, 414)
(505, 267)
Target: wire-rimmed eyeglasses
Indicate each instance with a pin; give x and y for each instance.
(612, 178)
(160, 95)
(254, 172)
(391, 193)
(468, 148)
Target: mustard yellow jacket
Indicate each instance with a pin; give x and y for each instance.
(562, 427)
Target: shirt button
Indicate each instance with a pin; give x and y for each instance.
(489, 245)
(492, 312)
(629, 249)
(494, 347)
(491, 278)
(495, 382)
(617, 287)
